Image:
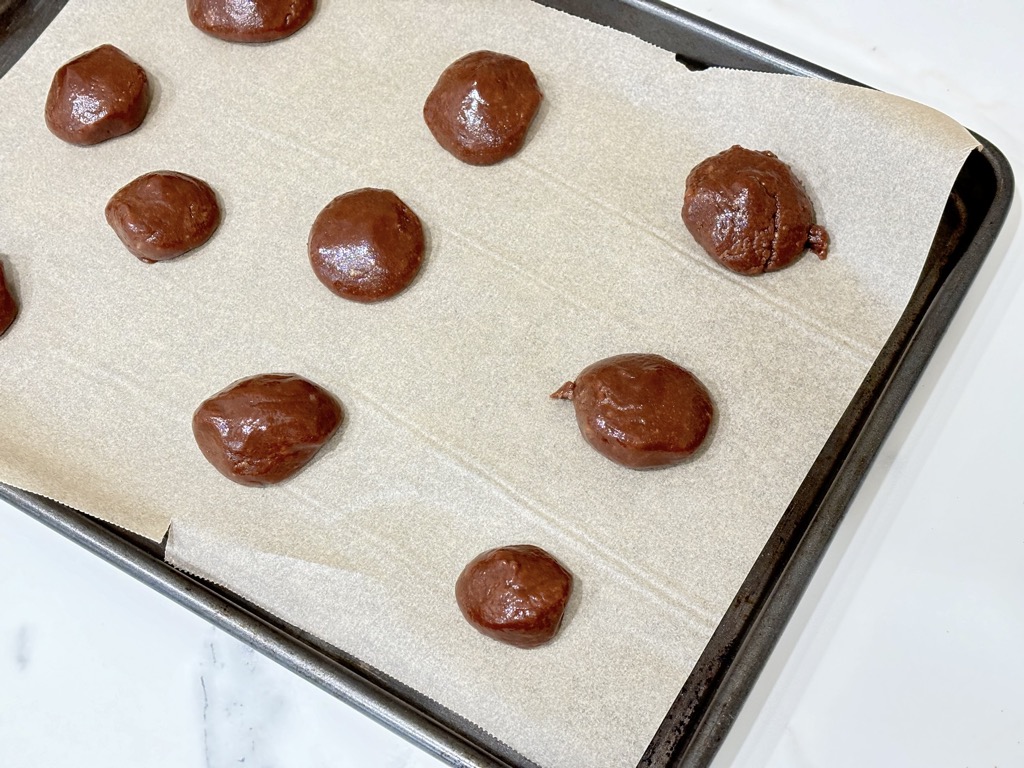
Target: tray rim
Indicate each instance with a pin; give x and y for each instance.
(445, 734)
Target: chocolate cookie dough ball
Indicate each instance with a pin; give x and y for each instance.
(162, 215)
(250, 21)
(482, 107)
(640, 411)
(515, 594)
(366, 245)
(264, 429)
(97, 96)
(748, 211)
(8, 306)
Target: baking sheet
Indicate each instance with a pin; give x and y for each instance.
(570, 252)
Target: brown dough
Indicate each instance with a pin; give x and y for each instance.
(639, 410)
(263, 429)
(161, 215)
(515, 594)
(366, 245)
(748, 211)
(97, 96)
(8, 306)
(250, 21)
(482, 107)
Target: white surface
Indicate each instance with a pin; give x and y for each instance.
(904, 651)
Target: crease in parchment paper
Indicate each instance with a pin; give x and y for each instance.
(570, 252)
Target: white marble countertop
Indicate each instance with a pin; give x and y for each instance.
(903, 652)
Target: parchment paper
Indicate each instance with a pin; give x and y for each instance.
(570, 252)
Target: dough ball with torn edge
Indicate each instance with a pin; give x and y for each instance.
(250, 21)
(482, 107)
(640, 410)
(163, 215)
(516, 594)
(264, 429)
(97, 96)
(750, 213)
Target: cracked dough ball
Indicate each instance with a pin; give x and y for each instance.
(640, 410)
(264, 429)
(366, 245)
(748, 211)
(162, 215)
(482, 106)
(515, 594)
(8, 306)
(250, 21)
(97, 96)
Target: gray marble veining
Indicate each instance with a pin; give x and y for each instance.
(23, 647)
(241, 711)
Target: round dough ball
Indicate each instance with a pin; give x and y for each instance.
(366, 245)
(748, 211)
(250, 21)
(482, 107)
(97, 96)
(8, 306)
(639, 410)
(515, 594)
(162, 215)
(264, 429)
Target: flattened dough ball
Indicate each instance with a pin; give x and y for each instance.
(640, 410)
(750, 213)
(8, 306)
(515, 594)
(264, 429)
(250, 21)
(97, 96)
(162, 215)
(366, 245)
(482, 106)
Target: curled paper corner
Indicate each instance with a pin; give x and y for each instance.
(152, 528)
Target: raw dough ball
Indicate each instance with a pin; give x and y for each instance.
(482, 107)
(515, 594)
(748, 210)
(640, 411)
(366, 245)
(161, 215)
(8, 306)
(263, 429)
(250, 21)
(97, 96)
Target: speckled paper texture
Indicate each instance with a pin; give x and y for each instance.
(570, 252)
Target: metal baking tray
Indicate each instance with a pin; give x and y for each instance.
(711, 697)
